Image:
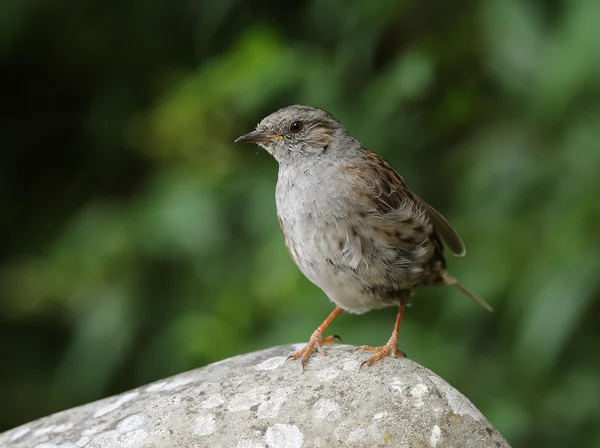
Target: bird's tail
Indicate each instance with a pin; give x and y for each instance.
(451, 281)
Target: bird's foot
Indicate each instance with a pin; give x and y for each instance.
(389, 349)
(316, 340)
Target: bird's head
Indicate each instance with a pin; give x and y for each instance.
(295, 131)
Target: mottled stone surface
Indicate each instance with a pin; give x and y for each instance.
(260, 400)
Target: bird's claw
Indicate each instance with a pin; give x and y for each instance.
(316, 340)
(380, 353)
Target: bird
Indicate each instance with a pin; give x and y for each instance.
(351, 224)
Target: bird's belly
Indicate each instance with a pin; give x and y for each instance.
(355, 273)
(347, 290)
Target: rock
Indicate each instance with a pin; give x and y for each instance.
(260, 400)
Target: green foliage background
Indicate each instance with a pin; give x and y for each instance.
(138, 241)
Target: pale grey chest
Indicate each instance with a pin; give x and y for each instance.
(311, 219)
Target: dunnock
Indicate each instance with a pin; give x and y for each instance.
(351, 223)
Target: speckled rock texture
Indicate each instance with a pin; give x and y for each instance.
(262, 400)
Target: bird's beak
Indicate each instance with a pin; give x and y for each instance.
(258, 137)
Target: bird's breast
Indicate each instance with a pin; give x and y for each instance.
(311, 215)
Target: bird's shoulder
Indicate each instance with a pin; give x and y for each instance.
(377, 185)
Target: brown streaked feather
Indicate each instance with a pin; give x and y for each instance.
(447, 232)
(394, 191)
(384, 205)
(391, 193)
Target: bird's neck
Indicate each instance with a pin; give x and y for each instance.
(324, 170)
(342, 148)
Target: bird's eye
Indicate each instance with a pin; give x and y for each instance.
(296, 127)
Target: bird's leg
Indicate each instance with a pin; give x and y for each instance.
(317, 340)
(389, 349)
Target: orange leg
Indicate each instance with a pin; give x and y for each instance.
(317, 340)
(389, 349)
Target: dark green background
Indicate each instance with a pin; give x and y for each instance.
(137, 241)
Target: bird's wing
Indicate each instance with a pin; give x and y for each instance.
(392, 193)
(447, 232)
